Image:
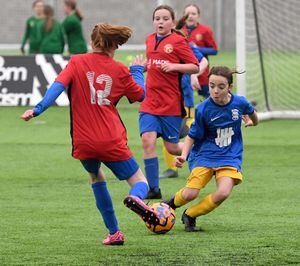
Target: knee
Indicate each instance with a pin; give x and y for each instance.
(173, 149)
(148, 144)
(100, 177)
(94, 179)
(190, 194)
(222, 195)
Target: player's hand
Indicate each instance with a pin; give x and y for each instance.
(179, 161)
(22, 51)
(195, 82)
(167, 67)
(139, 61)
(27, 115)
(248, 122)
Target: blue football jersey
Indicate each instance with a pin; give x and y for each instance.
(217, 133)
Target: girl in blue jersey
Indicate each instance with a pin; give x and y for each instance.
(214, 147)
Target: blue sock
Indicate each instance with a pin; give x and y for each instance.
(105, 206)
(139, 189)
(151, 169)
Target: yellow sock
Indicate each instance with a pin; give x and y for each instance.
(190, 112)
(189, 122)
(178, 200)
(169, 159)
(205, 206)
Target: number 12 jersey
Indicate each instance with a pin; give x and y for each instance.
(95, 84)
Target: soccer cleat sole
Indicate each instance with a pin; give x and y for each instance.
(117, 243)
(146, 215)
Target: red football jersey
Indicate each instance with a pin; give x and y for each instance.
(163, 93)
(202, 36)
(95, 84)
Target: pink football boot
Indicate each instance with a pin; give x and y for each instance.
(116, 239)
(141, 209)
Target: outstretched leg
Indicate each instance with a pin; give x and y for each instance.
(139, 190)
(103, 202)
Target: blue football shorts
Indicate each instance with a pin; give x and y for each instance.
(123, 170)
(167, 127)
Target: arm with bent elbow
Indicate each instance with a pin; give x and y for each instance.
(180, 160)
(182, 68)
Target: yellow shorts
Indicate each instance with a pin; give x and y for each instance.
(200, 176)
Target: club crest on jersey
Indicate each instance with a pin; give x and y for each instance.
(235, 114)
(168, 48)
(198, 37)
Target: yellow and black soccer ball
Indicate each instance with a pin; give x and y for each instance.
(166, 217)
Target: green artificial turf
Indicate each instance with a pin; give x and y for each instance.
(48, 215)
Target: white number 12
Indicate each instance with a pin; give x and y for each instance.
(101, 94)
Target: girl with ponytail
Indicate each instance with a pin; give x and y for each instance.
(73, 28)
(95, 83)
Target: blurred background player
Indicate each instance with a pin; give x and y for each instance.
(214, 146)
(168, 56)
(32, 28)
(95, 84)
(200, 38)
(73, 28)
(52, 37)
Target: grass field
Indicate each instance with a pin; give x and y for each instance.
(48, 214)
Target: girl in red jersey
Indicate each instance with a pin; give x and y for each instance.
(201, 36)
(168, 56)
(95, 84)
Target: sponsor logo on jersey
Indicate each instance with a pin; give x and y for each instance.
(156, 62)
(235, 114)
(198, 37)
(168, 48)
(224, 136)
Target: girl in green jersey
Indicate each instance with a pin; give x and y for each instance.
(73, 29)
(32, 28)
(52, 38)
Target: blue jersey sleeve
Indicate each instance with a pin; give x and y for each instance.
(138, 76)
(196, 51)
(188, 93)
(207, 50)
(197, 127)
(49, 98)
(248, 108)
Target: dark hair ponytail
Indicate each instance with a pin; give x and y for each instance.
(225, 72)
(73, 5)
(106, 36)
(48, 12)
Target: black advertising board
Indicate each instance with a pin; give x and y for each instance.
(25, 79)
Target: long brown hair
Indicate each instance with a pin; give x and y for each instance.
(172, 13)
(225, 72)
(106, 36)
(73, 5)
(48, 12)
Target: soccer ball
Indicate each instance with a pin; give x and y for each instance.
(166, 217)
